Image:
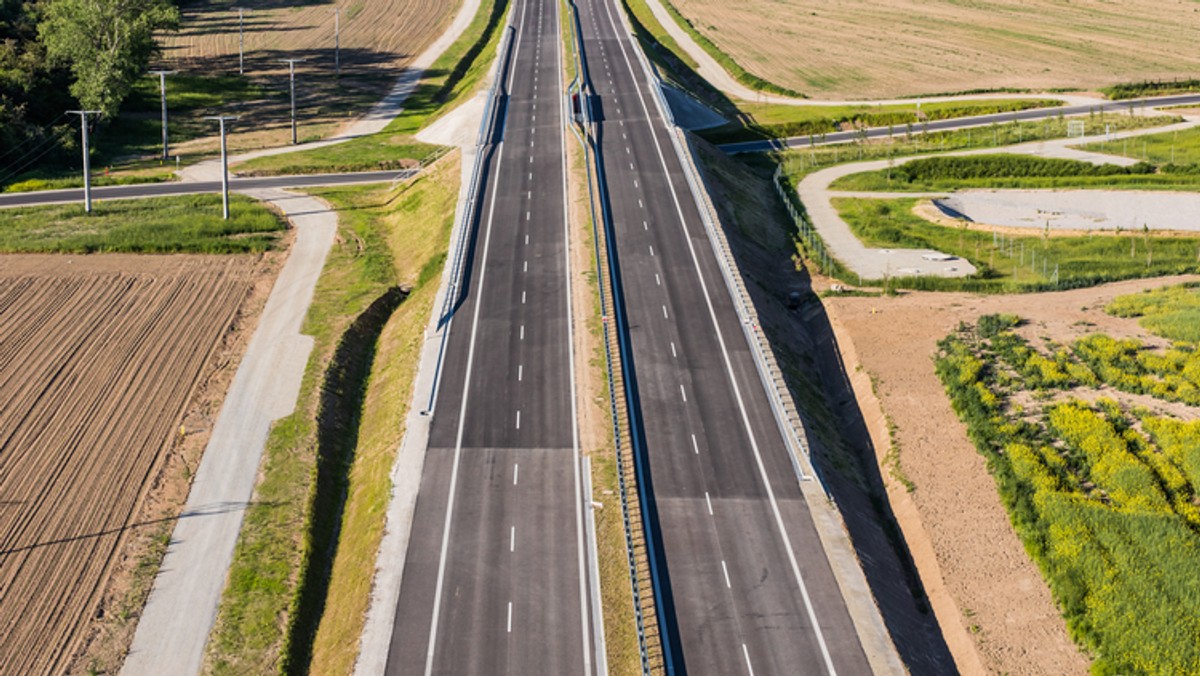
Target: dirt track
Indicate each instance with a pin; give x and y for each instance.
(98, 359)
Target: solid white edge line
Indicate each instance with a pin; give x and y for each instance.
(746, 654)
(708, 501)
(725, 571)
(816, 626)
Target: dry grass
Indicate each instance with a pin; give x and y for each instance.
(887, 48)
(378, 39)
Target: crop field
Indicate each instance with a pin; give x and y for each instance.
(890, 48)
(1094, 446)
(99, 357)
(377, 38)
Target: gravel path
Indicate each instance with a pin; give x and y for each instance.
(176, 621)
(871, 263)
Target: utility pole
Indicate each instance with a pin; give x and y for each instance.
(241, 40)
(162, 87)
(224, 164)
(87, 165)
(292, 85)
(337, 41)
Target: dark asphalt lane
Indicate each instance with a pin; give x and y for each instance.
(176, 188)
(960, 123)
(750, 589)
(494, 578)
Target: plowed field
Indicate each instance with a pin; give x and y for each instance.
(98, 359)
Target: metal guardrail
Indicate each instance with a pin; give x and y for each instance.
(786, 415)
(653, 657)
(483, 142)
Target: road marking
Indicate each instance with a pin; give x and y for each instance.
(531, 173)
(526, 268)
(518, 420)
(725, 570)
(640, 204)
(695, 446)
(708, 501)
(808, 606)
(522, 332)
(657, 279)
(510, 619)
(516, 472)
(628, 151)
(683, 393)
(520, 372)
(645, 225)
(531, 159)
(749, 667)
(673, 354)
(522, 298)
(624, 136)
(512, 539)
(527, 215)
(526, 240)
(631, 166)
(651, 249)
(635, 183)
(665, 312)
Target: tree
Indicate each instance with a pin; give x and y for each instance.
(106, 43)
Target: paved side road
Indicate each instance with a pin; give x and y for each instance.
(176, 621)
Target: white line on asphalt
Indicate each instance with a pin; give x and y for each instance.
(683, 393)
(624, 136)
(527, 215)
(708, 501)
(657, 279)
(640, 204)
(787, 544)
(631, 166)
(635, 183)
(651, 249)
(526, 268)
(673, 354)
(531, 159)
(526, 240)
(664, 312)
(462, 416)
(628, 151)
(645, 225)
(510, 617)
(518, 420)
(512, 539)
(522, 298)
(746, 652)
(516, 472)
(531, 175)
(695, 446)
(725, 570)
(520, 372)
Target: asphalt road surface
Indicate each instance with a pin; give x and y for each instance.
(139, 190)
(494, 581)
(747, 586)
(961, 123)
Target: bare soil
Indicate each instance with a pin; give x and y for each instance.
(995, 610)
(113, 369)
(891, 48)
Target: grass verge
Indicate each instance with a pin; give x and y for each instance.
(1010, 264)
(314, 528)
(456, 75)
(1169, 148)
(184, 224)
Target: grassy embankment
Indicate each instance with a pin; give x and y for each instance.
(453, 77)
(1179, 150)
(184, 224)
(1014, 171)
(1010, 263)
(325, 470)
(1103, 492)
(1134, 90)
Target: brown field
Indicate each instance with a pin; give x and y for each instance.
(995, 610)
(378, 39)
(99, 359)
(890, 48)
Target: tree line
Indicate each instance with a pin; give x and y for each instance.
(57, 55)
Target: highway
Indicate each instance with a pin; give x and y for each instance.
(746, 586)
(960, 123)
(494, 579)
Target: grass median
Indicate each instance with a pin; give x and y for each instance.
(320, 504)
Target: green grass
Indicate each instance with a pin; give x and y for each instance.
(454, 77)
(1102, 496)
(1133, 90)
(1176, 147)
(57, 180)
(185, 224)
(798, 163)
(766, 121)
(1172, 312)
(1015, 264)
(387, 238)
